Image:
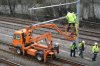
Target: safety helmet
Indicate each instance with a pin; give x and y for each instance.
(83, 41)
(56, 43)
(96, 43)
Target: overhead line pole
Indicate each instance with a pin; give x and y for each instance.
(78, 10)
(78, 16)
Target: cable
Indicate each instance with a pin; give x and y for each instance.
(49, 21)
(51, 6)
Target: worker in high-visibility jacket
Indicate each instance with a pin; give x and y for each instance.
(72, 49)
(95, 50)
(81, 48)
(71, 18)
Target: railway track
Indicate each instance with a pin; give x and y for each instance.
(88, 36)
(24, 57)
(70, 62)
(90, 33)
(55, 62)
(16, 27)
(29, 22)
(90, 24)
(16, 20)
(8, 62)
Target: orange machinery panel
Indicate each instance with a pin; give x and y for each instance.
(32, 52)
(40, 46)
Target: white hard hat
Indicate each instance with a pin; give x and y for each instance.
(83, 41)
(95, 43)
(57, 43)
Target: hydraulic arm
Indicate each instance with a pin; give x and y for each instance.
(47, 37)
(53, 26)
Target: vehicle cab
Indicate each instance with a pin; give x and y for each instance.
(22, 36)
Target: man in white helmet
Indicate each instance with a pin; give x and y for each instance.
(57, 47)
(81, 48)
(95, 50)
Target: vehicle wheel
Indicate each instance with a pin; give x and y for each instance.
(54, 57)
(18, 50)
(39, 56)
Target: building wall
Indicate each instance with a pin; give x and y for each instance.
(89, 8)
(86, 8)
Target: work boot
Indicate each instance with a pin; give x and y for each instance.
(79, 54)
(93, 59)
(72, 33)
(74, 56)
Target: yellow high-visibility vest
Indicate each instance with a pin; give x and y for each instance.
(95, 49)
(72, 47)
(71, 17)
(81, 46)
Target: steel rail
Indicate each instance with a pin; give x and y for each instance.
(11, 63)
(70, 62)
(62, 61)
(57, 35)
(94, 33)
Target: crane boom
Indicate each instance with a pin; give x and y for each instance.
(54, 26)
(46, 36)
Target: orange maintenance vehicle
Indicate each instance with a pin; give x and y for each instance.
(26, 44)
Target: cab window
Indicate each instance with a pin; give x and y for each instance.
(29, 34)
(17, 36)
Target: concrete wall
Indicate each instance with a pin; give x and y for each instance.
(89, 9)
(86, 8)
(97, 10)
